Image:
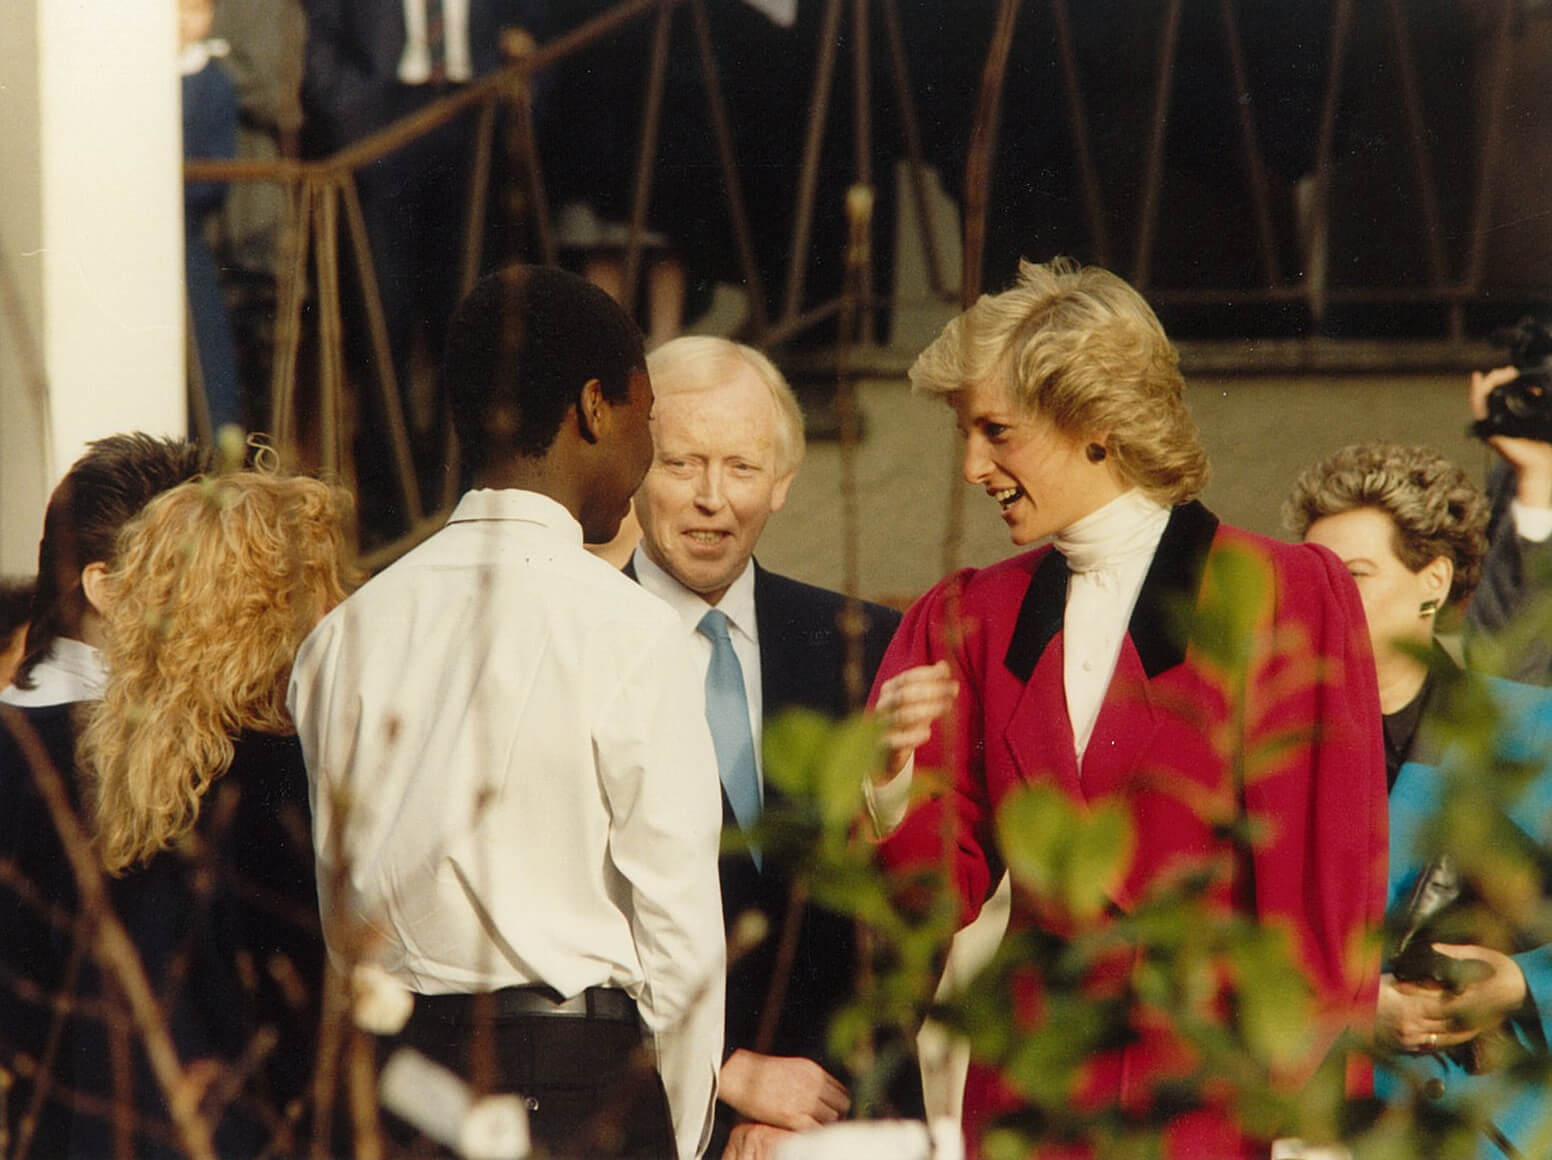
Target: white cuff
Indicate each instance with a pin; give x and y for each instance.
(1531, 523)
(887, 803)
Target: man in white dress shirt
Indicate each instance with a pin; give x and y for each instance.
(514, 788)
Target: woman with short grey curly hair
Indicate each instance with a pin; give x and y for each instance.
(1411, 528)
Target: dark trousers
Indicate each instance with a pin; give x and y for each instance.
(590, 1085)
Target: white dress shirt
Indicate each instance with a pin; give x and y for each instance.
(520, 736)
(737, 604)
(70, 671)
(415, 61)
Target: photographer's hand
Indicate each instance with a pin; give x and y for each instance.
(1531, 459)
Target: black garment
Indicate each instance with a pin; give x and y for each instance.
(35, 953)
(802, 659)
(1514, 584)
(1401, 726)
(226, 928)
(1400, 730)
(578, 1075)
(802, 665)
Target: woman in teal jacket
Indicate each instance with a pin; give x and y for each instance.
(1465, 1005)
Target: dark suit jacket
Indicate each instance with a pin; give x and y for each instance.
(353, 50)
(193, 925)
(32, 948)
(802, 656)
(1514, 574)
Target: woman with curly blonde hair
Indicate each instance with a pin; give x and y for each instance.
(194, 778)
(1453, 1010)
(218, 582)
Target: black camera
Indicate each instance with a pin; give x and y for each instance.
(1523, 407)
(1433, 913)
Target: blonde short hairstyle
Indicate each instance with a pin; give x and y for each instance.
(216, 583)
(701, 362)
(1436, 509)
(1079, 347)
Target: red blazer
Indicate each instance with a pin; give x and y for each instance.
(1166, 726)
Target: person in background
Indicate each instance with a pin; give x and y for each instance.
(1519, 534)
(370, 63)
(60, 670)
(512, 778)
(1059, 669)
(102, 491)
(253, 233)
(15, 608)
(1411, 528)
(209, 133)
(728, 440)
(618, 551)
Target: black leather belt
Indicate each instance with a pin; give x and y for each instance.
(608, 1003)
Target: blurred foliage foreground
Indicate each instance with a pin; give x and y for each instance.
(1229, 988)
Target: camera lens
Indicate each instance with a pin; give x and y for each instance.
(1526, 400)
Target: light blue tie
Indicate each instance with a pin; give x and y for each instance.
(727, 712)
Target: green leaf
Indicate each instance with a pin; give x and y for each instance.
(1101, 854)
(792, 744)
(1274, 1005)
(1033, 827)
(1060, 850)
(1236, 592)
(849, 755)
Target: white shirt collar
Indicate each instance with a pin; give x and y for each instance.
(737, 603)
(195, 56)
(72, 671)
(511, 503)
(1127, 527)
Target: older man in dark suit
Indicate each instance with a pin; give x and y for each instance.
(728, 438)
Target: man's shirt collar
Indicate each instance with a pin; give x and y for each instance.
(737, 603)
(510, 503)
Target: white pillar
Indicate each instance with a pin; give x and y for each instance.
(91, 242)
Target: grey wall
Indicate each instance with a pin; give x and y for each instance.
(1260, 431)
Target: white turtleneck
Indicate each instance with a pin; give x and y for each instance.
(1108, 552)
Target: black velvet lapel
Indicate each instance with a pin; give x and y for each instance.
(1040, 616)
(1174, 578)
(1172, 582)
